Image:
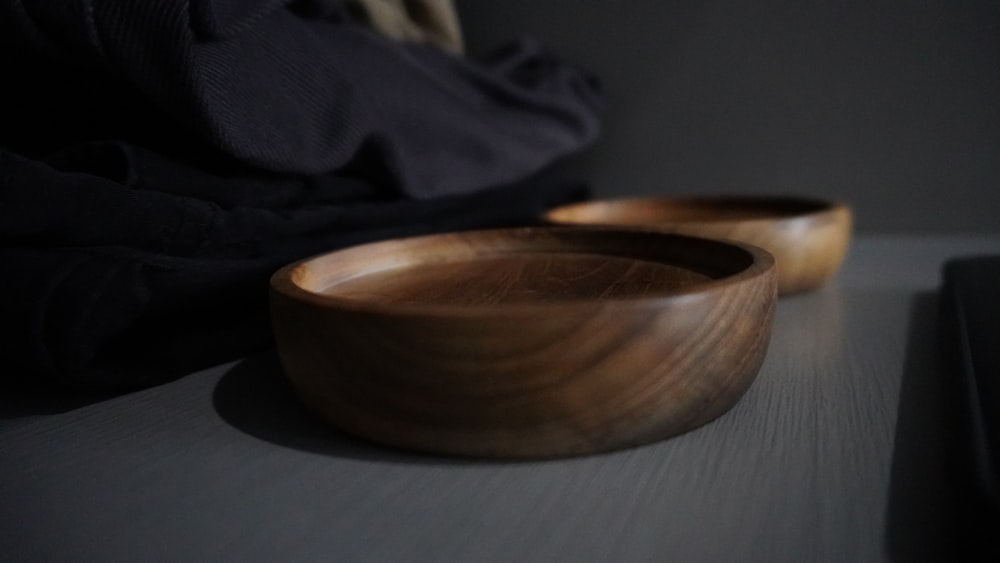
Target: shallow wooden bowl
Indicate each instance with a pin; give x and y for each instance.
(535, 342)
(807, 237)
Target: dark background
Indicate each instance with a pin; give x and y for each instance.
(891, 106)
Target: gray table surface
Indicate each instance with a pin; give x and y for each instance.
(834, 454)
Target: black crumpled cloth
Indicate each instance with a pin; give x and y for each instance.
(122, 268)
(160, 159)
(294, 87)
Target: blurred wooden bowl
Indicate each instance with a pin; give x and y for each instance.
(808, 237)
(535, 342)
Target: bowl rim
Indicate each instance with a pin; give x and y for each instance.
(762, 263)
(819, 206)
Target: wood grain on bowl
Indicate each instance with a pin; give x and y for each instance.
(535, 342)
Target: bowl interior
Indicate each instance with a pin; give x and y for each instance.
(522, 267)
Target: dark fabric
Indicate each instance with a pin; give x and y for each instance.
(123, 268)
(160, 159)
(294, 87)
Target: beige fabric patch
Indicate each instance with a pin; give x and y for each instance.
(421, 21)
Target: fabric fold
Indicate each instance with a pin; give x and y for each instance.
(295, 91)
(160, 159)
(124, 268)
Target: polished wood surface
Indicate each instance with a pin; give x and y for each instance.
(537, 342)
(808, 238)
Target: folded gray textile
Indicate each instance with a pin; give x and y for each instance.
(295, 87)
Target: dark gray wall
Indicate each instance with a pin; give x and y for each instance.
(892, 106)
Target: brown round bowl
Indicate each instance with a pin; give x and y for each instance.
(536, 342)
(807, 237)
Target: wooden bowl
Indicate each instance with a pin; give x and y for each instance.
(807, 237)
(535, 342)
